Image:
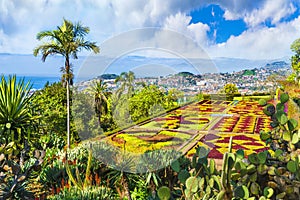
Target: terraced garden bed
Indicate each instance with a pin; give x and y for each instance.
(207, 123)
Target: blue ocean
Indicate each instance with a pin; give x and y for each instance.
(38, 82)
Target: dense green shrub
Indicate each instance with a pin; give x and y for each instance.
(51, 102)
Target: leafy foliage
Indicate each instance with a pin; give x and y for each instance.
(17, 118)
(97, 193)
(51, 102)
(100, 92)
(295, 60)
(67, 40)
(14, 173)
(146, 102)
(271, 174)
(230, 90)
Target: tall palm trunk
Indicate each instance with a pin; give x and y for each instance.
(68, 76)
(126, 186)
(98, 109)
(68, 100)
(68, 115)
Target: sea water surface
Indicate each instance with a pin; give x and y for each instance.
(38, 82)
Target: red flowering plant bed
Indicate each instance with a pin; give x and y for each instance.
(209, 123)
(247, 108)
(218, 144)
(243, 120)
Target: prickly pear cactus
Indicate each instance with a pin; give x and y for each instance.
(273, 174)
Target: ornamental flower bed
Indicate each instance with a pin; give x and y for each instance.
(247, 108)
(206, 107)
(216, 119)
(245, 124)
(218, 144)
(262, 124)
(142, 141)
(226, 124)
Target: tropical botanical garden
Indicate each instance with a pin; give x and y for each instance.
(138, 142)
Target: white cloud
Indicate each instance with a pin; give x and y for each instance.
(264, 43)
(181, 23)
(255, 13)
(274, 10)
(21, 20)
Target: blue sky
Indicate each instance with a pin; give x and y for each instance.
(220, 28)
(255, 30)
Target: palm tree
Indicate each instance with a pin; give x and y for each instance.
(99, 90)
(127, 82)
(67, 40)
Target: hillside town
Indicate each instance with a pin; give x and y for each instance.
(248, 81)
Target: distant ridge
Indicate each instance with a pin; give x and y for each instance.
(108, 76)
(248, 72)
(185, 74)
(27, 64)
(277, 65)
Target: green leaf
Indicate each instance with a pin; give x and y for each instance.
(217, 181)
(221, 194)
(262, 169)
(284, 98)
(281, 195)
(251, 168)
(235, 176)
(295, 138)
(262, 157)
(148, 178)
(264, 135)
(253, 177)
(283, 119)
(202, 183)
(274, 124)
(231, 160)
(202, 152)
(241, 192)
(268, 192)
(211, 182)
(265, 110)
(262, 102)
(253, 158)
(240, 154)
(262, 198)
(164, 193)
(183, 175)
(155, 179)
(278, 114)
(212, 166)
(278, 153)
(175, 166)
(292, 166)
(192, 184)
(254, 188)
(240, 165)
(292, 124)
(286, 136)
(280, 107)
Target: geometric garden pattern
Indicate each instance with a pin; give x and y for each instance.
(208, 123)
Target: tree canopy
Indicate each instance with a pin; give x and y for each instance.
(67, 40)
(295, 61)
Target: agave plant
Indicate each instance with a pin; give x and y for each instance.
(15, 111)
